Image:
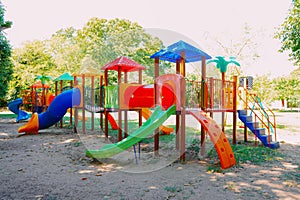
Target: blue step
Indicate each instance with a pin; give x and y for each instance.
(259, 131)
(274, 145)
(254, 127)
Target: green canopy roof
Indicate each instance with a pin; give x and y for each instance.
(64, 77)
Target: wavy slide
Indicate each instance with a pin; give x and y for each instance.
(154, 121)
(146, 113)
(56, 110)
(217, 137)
(14, 107)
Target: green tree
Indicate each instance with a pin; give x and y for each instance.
(100, 40)
(29, 61)
(3, 24)
(289, 33)
(65, 50)
(263, 87)
(6, 67)
(288, 88)
(105, 40)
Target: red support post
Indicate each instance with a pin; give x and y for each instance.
(71, 110)
(83, 104)
(75, 110)
(203, 78)
(119, 109)
(105, 110)
(234, 109)
(60, 91)
(92, 101)
(156, 132)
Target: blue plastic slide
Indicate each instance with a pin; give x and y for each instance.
(54, 113)
(14, 107)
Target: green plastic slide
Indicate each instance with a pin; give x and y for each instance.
(156, 119)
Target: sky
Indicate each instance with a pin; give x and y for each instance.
(198, 20)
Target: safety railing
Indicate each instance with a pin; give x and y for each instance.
(218, 94)
(262, 113)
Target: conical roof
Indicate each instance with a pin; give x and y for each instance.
(124, 64)
(64, 77)
(39, 84)
(172, 53)
(88, 72)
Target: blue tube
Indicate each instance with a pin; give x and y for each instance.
(14, 106)
(59, 107)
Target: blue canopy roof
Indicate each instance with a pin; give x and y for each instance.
(172, 53)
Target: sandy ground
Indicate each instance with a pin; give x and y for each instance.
(53, 165)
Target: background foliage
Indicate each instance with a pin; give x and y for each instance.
(289, 33)
(5, 61)
(99, 42)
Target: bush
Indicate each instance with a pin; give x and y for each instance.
(3, 102)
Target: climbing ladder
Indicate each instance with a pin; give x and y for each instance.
(258, 118)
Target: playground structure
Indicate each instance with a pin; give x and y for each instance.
(14, 106)
(92, 92)
(37, 99)
(63, 83)
(167, 90)
(256, 116)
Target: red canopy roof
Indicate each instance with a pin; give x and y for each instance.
(125, 65)
(39, 84)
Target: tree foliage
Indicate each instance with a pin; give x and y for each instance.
(29, 62)
(289, 33)
(285, 88)
(288, 88)
(100, 41)
(106, 40)
(263, 87)
(5, 61)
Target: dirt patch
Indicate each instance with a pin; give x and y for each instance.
(53, 165)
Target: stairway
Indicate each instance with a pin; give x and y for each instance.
(255, 128)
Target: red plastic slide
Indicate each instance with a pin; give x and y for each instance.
(112, 121)
(217, 137)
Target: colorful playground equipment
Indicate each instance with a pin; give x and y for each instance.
(257, 117)
(93, 93)
(63, 83)
(14, 107)
(168, 93)
(54, 113)
(38, 98)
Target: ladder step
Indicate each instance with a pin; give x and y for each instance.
(259, 131)
(274, 145)
(252, 125)
(242, 112)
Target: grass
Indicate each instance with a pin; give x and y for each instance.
(281, 126)
(288, 111)
(173, 189)
(244, 152)
(247, 153)
(7, 116)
